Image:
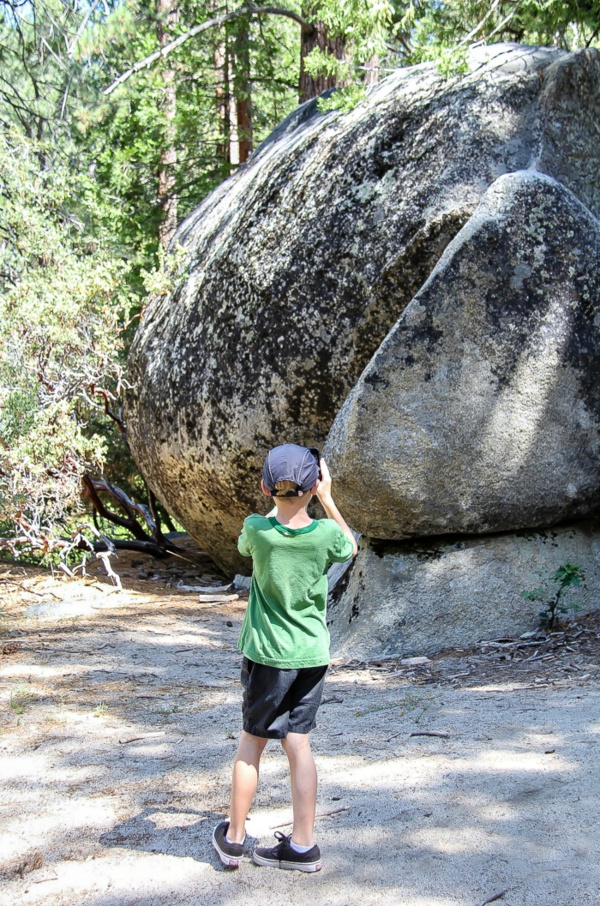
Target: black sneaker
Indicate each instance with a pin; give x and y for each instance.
(283, 856)
(230, 854)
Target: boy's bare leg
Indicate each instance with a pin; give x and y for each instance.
(244, 783)
(303, 774)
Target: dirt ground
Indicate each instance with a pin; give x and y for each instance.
(465, 779)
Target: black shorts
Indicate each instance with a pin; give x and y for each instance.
(279, 701)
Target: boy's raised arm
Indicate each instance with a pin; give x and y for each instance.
(326, 499)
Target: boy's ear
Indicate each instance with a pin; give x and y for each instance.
(264, 488)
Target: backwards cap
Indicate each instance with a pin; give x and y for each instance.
(290, 462)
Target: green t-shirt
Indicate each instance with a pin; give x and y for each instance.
(285, 622)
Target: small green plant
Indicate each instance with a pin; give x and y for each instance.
(20, 699)
(569, 575)
(101, 709)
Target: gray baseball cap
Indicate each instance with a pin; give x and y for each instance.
(289, 462)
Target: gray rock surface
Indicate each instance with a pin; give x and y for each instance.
(412, 598)
(301, 264)
(480, 411)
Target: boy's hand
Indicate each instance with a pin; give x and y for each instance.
(332, 512)
(324, 483)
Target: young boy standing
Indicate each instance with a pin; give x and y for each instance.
(285, 642)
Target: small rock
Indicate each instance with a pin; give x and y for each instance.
(414, 661)
(217, 599)
(242, 583)
(206, 589)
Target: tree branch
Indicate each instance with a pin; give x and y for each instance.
(501, 24)
(107, 409)
(480, 24)
(204, 26)
(81, 29)
(153, 541)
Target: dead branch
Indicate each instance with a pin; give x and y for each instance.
(119, 422)
(30, 591)
(150, 541)
(479, 25)
(93, 488)
(142, 547)
(105, 557)
(205, 26)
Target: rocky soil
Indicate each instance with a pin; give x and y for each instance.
(468, 778)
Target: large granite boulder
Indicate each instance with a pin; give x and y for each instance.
(301, 264)
(414, 597)
(480, 411)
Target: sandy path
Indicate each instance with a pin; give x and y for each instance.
(119, 726)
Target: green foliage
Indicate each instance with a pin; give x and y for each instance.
(364, 27)
(363, 22)
(433, 30)
(566, 576)
(63, 304)
(343, 99)
(450, 60)
(168, 274)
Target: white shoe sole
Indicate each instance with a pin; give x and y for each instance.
(228, 861)
(287, 866)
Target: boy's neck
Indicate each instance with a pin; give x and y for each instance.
(291, 511)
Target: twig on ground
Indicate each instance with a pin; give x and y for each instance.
(430, 733)
(53, 877)
(336, 811)
(125, 742)
(30, 591)
(389, 739)
(494, 897)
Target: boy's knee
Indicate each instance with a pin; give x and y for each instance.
(250, 742)
(296, 742)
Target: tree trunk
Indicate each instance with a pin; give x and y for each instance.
(309, 86)
(222, 101)
(242, 91)
(234, 148)
(166, 195)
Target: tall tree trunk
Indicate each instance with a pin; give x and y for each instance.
(242, 91)
(234, 148)
(223, 101)
(309, 86)
(166, 195)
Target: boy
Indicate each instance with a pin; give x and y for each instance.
(285, 642)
